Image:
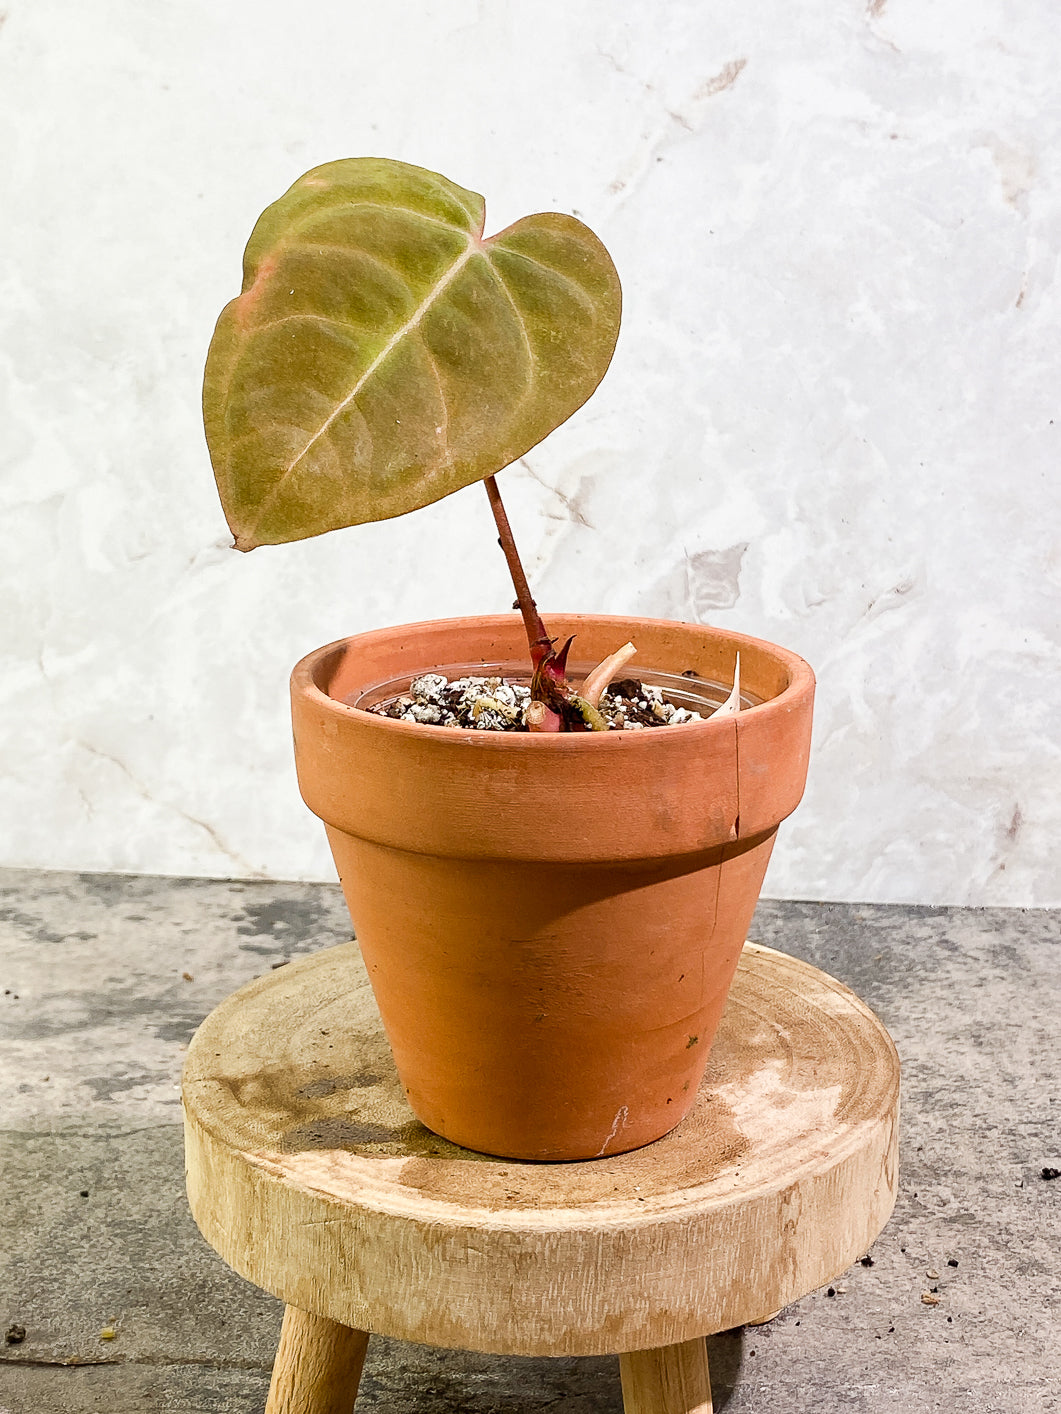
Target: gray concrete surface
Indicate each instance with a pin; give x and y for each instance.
(106, 977)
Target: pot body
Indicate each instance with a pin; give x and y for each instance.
(551, 922)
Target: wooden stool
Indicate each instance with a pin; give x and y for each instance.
(309, 1175)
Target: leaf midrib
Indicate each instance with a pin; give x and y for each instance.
(472, 248)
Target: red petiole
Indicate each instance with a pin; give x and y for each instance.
(564, 709)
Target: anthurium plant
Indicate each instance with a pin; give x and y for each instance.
(384, 353)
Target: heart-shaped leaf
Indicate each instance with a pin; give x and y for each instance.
(383, 354)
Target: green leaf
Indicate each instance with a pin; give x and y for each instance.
(383, 354)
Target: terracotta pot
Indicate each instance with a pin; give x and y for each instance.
(551, 922)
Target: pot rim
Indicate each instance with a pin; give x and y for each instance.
(304, 680)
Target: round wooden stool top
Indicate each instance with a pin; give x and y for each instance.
(309, 1175)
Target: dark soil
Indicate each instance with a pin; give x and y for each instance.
(498, 705)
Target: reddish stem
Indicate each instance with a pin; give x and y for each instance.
(539, 641)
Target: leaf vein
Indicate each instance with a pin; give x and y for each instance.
(566, 279)
(268, 324)
(411, 323)
(519, 317)
(300, 225)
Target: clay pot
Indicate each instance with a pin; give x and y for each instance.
(551, 923)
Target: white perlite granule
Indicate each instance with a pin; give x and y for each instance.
(494, 705)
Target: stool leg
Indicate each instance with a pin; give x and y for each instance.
(671, 1380)
(317, 1367)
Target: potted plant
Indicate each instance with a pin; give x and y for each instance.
(551, 912)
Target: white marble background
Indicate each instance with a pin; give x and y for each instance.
(833, 418)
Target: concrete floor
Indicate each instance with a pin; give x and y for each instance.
(106, 977)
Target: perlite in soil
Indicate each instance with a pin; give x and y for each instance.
(492, 704)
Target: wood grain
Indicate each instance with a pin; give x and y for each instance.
(308, 1173)
(318, 1366)
(673, 1380)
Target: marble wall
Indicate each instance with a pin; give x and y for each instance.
(832, 419)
